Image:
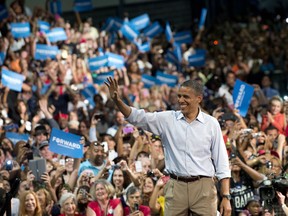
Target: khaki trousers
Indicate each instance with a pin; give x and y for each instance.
(198, 198)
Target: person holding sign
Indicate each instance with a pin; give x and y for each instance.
(194, 151)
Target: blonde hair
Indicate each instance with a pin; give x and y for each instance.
(22, 209)
(107, 185)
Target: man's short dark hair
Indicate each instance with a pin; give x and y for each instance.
(195, 85)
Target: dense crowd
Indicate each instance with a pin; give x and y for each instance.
(123, 168)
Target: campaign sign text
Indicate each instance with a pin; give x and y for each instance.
(183, 37)
(12, 80)
(57, 34)
(44, 52)
(153, 30)
(20, 30)
(198, 59)
(115, 60)
(43, 26)
(140, 22)
(65, 144)
(167, 79)
(96, 63)
(242, 94)
(129, 32)
(148, 80)
(82, 5)
(102, 77)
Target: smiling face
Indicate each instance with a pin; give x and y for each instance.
(30, 203)
(276, 107)
(148, 186)
(69, 206)
(118, 178)
(101, 192)
(188, 101)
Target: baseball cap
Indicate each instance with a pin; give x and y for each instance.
(43, 144)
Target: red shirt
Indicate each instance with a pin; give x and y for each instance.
(113, 203)
(144, 209)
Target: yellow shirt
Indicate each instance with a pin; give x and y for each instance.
(161, 201)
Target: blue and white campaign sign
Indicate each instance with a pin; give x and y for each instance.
(102, 77)
(178, 53)
(88, 92)
(183, 37)
(82, 5)
(3, 12)
(198, 59)
(202, 18)
(43, 26)
(170, 57)
(129, 32)
(140, 22)
(168, 79)
(96, 63)
(66, 144)
(153, 30)
(2, 58)
(144, 47)
(43, 52)
(112, 24)
(148, 80)
(57, 34)
(115, 60)
(242, 94)
(20, 30)
(15, 137)
(56, 6)
(12, 80)
(168, 32)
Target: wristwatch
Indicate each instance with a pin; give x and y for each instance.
(227, 196)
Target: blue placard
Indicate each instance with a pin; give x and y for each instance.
(242, 94)
(168, 32)
(43, 26)
(88, 92)
(198, 59)
(43, 52)
(168, 79)
(140, 22)
(20, 30)
(56, 6)
(115, 60)
(15, 137)
(112, 24)
(12, 80)
(183, 37)
(96, 63)
(129, 32)
(57, 34)
(3, 12)
(2, 58)
(145, 47)
(153, 30)
(82, 5)
(66, 144)
(148, 80)
(178, 53)
(102, 77)
(170, 57)
(202, 18)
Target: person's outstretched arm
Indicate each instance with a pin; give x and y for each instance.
(114, 93)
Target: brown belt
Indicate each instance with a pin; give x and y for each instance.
(188, 178)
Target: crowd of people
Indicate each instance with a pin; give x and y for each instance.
(129, 169)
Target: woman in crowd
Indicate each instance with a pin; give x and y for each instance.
(275, 116)
(103, 203)
(68, 205)
(29, 204)
(134, 203)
